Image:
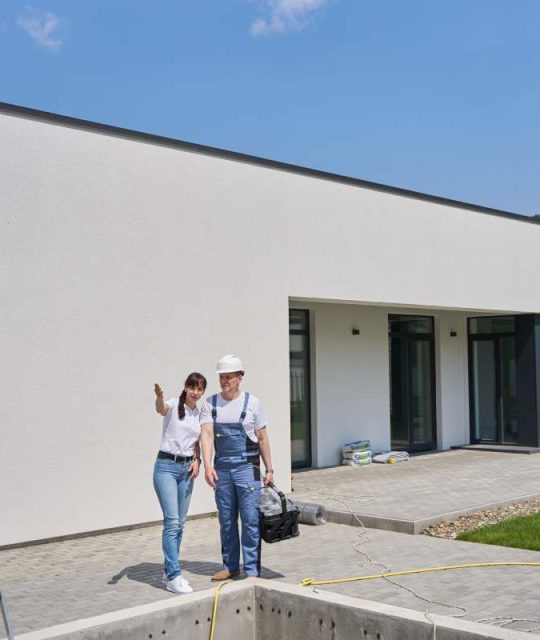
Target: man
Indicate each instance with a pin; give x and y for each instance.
(234, 425)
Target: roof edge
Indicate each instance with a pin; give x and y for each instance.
(89, 125)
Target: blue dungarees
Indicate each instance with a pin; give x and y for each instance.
(238, 489)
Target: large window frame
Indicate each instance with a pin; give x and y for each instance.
(496, 338)
(410, 337)
(305, 333)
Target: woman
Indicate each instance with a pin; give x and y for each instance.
(176, 468)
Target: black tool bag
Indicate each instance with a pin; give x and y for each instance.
(283, 525)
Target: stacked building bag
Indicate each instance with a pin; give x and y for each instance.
(390, 457)
(356, 454)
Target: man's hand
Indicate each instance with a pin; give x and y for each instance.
(158, 391)
(194, 469)
(211, 476)
(264, 446)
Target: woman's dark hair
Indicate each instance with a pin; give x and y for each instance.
(193, 380)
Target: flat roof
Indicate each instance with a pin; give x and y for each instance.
(139, 136)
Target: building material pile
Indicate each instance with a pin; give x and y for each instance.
(356, 454)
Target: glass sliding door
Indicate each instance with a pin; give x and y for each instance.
(484, 379)
(422, 402)
(300, 388)
(493, 380)
(412, 382)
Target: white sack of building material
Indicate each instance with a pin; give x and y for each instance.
(355, 463)
(359, 445)
(391, 457)
(357, 455)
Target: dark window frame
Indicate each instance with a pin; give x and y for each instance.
(430, 336)
(477, 337)
(306, 462)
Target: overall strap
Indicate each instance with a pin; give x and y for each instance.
(244, 410)
(214, 408)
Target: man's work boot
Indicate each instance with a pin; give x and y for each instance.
(225, 574)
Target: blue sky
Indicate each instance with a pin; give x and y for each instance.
(439, 97)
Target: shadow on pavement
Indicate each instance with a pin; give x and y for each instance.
(151, 573)
(210, 568)
(148, 572)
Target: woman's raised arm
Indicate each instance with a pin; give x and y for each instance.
(161, 407)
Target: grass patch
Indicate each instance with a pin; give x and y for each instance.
(521, 533)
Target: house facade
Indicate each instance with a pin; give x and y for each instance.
(360, 311)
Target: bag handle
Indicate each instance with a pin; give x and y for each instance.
(281, 496)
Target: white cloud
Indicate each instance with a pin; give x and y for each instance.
(285, 15)
(42, 27)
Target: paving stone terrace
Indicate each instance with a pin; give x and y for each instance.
(409, 496)
(58, 582)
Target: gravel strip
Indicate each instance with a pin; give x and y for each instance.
(481, 519)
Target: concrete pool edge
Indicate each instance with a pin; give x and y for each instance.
(257, 609)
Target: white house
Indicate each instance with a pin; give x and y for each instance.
(360, 311)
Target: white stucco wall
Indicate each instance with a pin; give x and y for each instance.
(126, 263)
(452, 380)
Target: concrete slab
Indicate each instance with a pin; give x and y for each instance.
(410, 496)
(186, 618)
(259, 610)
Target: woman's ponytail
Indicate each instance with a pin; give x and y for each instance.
(181, 402)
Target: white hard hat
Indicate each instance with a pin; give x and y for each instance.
(229, 364)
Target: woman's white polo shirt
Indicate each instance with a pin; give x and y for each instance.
(179, 436)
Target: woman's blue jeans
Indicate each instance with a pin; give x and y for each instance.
(173, 488)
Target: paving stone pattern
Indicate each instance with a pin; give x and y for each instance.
(62, 581)
(426, 486)
(58, 582)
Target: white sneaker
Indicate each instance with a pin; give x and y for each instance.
(179, 585)
(164, 579)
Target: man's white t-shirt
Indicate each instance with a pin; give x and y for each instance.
(230, 411)
(179, 436)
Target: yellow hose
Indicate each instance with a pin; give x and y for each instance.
(307, 582)
(214, 608)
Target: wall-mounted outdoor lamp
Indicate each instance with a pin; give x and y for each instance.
(355, 332)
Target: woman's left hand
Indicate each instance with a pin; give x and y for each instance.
(194, 469)
(268, 478)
